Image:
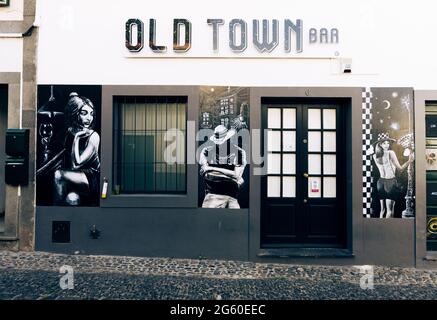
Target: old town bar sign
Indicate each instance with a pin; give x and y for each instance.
(265, 35)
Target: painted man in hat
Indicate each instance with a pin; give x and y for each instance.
(222, 170)
(387, 163)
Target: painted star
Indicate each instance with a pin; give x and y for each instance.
(395, 126)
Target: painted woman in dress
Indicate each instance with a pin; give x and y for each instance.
(77, 181)
(387, 163)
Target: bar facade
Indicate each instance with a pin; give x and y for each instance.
(246, 133)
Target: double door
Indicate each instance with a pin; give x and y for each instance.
(303, 190)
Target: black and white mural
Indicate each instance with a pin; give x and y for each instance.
(223, 153)
(68, 143)
(388, 153)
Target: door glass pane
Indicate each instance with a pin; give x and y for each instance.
(274, 141)
(329, 164)
(329, 141)
(274, 164)
(329, 187)
(314, 141)
(314, 119)
(273, 187)
(274, 118)
(289, 187)
(329, 119)
(289, 119)
(314, 187)
(289, 164)
(314, 164)
(289, 141)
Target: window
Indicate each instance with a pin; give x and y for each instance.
(224, 122)
(281, 158)
(227, 106)
(141, 152)
(206, 123)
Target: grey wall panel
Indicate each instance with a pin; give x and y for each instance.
(389, 242)
(182, 233)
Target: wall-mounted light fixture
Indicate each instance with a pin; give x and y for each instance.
(346, 65)
(17, 162)
(94, 232)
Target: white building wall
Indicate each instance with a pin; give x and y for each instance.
(390, 44)
(11, 54)
(11, 45)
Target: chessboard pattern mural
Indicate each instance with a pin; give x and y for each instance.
(388, 153)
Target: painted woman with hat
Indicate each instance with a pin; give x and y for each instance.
(387, 163)
(222, 170)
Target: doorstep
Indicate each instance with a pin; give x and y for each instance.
(305, 253)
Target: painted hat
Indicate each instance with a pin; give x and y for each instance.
(384, 137)
(222, 134)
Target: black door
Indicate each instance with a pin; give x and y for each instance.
(303, 201)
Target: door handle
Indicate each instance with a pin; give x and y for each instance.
(305, 200)
(306, 175)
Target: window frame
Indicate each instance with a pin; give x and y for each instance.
(117, 104)
(147, 200)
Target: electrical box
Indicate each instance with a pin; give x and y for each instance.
(16, 172)
(17, 161)
(61, 231)
(17, 143)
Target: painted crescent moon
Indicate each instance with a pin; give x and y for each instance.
(388, 104)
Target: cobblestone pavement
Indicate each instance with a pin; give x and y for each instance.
(36, 276)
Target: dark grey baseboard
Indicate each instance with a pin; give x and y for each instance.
(305, 253)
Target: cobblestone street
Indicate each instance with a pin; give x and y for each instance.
(37, 276)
